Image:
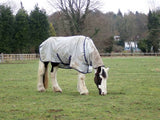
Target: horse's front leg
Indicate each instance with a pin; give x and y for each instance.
(55, 85)
(81, 86)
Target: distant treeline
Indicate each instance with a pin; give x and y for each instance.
(102, 27)
(22, 33)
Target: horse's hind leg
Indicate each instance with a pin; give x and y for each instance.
(42, 76)
(81, 86)
(55, 85)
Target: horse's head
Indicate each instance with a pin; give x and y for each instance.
(100, 79)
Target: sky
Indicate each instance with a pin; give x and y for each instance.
(125, 6)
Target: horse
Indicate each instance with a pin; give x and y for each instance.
(72, 52)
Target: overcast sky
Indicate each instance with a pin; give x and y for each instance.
(125, 6)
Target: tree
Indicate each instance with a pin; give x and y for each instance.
(154, 28)
(109, 45)
(21, 36)
(52, 32)
(119, 13)
(143, 45)
(130, 27)
(75, 12)
(6, 29)
(39, 27)
(121, 28)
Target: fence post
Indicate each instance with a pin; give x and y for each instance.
(2, 58)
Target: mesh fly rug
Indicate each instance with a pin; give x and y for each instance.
(77, 52)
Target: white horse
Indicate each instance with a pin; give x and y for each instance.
(75, 52)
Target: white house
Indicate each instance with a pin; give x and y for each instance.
(117, 38)
(131, 45)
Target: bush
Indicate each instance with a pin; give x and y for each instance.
(143, 45)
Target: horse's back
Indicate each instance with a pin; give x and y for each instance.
(68, 39)
(78, 52)
(55, 49)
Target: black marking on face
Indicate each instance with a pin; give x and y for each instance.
(98, 79)
(99, 91)
(104, 73)
(98, 70)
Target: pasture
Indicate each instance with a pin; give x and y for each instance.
(133, 92)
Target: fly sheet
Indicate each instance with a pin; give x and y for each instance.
(77, 52)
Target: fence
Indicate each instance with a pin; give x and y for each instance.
(14, 57)
(130, 54)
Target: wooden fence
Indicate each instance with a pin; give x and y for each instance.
(130, 54)
(14, 57)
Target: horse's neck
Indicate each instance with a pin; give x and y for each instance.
(96, 59)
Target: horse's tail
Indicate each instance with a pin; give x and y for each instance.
(45, 76)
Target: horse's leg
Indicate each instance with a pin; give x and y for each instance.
(81, 86)
(42, 76)
(55, 85)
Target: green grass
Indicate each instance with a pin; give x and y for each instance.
(133, 93)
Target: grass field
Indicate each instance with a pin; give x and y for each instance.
(133, 93)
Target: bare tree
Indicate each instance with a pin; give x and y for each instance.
(75, 12)
(154, 5)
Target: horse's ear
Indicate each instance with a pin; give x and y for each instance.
(107, 69)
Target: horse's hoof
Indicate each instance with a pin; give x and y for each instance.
(55, 89)
(58, 91)
(41, 90)
(84, 93)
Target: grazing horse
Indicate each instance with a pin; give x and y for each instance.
(74, 52)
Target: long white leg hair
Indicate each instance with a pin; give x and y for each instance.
(42, 76)
(55, 85)
(81, 86)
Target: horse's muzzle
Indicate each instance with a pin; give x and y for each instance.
(103, 94)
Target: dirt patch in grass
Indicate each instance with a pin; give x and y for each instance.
(54, 110)
(155, 70)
